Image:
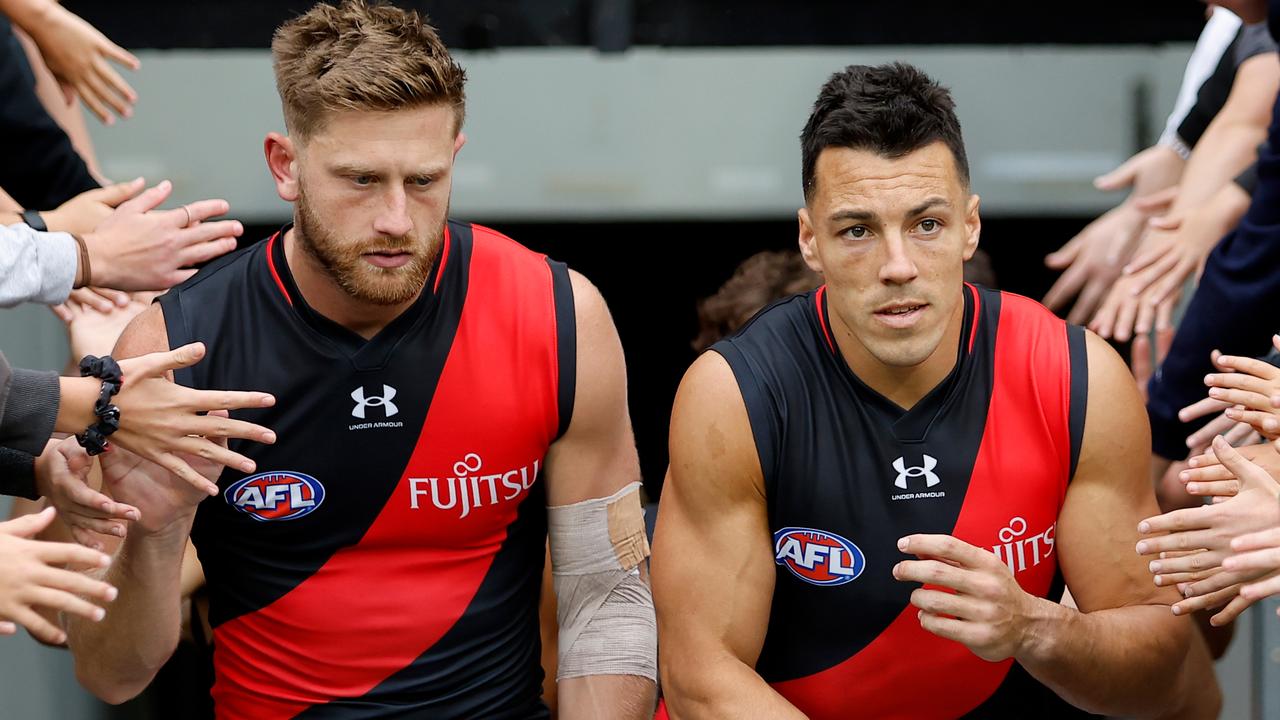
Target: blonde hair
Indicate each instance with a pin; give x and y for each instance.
(361, 56)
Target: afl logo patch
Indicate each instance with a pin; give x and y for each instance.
(276, 495)
(818, 557)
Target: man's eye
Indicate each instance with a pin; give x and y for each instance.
(362, 180)
(928, 226)
(422, 182)
(858, 232)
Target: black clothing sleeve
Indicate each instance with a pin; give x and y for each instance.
(41, 169)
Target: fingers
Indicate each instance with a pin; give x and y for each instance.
(65, 602)
(62, 312)
(1146, 258)
(1146, 318)
(122, 96)
(148, 199)
(1238, 465)
(1104, 321)
(1092, 295)
(1176, 521)
(938, 602)
(947, 549)
(1244, 380)
(120, 55)
(221, 427)
(158, 363)
(1267, 559)
(28, 526)
(1200, 408)
(204, 252)
(115, 194)
(216, 454)
(1166, 223)
(1220, 488)
(209, 231)
(1233, 609)
(1265, 588)
(40, 628)
(1172, 579)
(65, 553)
(106, 95)
(1140, 361)
(89, 502)
(1120, 178)
(1258, 540)
(92, 300)
(116, 297)
(201, 210)
(1247, 398)
(1157, 201)
(183, 471)
(89, 96)
(230, 400)
(1264, 422)
(1067, 254)
(1192, 563)
(1125, 315)
(7, 628)
(1065, 287)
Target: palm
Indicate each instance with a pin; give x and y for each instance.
(159, 496)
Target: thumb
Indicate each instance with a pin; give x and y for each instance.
(1249, 473)
(149, 199)
(156, 364)
(78, 461)
(28, 526)
(113, 195)
(1121, 177)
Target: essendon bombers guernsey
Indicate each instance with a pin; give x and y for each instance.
(986, 457)
(385, 559)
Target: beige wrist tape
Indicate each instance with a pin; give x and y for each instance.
(603, 605)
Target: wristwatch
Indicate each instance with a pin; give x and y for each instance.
(32, 218)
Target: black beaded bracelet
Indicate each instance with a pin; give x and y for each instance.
(94, 438)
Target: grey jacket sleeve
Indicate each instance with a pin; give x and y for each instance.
(28, 408)
(36, 266)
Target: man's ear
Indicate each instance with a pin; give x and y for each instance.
(972, 227)
(808, 241)
(458, 142)
(282, 162)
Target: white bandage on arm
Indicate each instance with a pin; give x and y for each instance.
(603, 605)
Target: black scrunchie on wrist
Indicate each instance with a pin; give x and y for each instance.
(94, 438)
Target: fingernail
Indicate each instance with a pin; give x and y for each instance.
(117, 530)
(268, 437)
(99, 614)
(1193, 488)
(1144, 527)
(106, 506)
(1154, 567)
(1176, 610)
(1142, 548)
(894, 572)
(59, 638)
(112, 593)
(1184, 476)
(902, 543)
(133, 515)
(246, 466)
(1159, 580)
(1215, 392)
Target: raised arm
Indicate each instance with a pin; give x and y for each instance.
(598, 548)
(117, 658)
(1117, 654)
(713, 569)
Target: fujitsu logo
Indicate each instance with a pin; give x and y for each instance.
(1019, 551)
(468, 489)
(383, 401)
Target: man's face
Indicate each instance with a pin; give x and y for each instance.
(373, 195)
(890, 236)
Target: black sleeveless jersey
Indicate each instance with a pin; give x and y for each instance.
(986, 457)
(385, 560)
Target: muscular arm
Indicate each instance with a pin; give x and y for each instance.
(596, 458)
(1115, 655)
(117, 658)
(713, 568)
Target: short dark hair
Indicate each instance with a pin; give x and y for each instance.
(892, 110)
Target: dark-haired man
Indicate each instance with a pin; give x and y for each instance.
(897, 427)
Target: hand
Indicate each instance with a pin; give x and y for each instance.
(91, 331)
(1259, 552)
(1199, 539)
(1208, 476)
(159, 420)
(103, 300)
(988, 612)
(158, 496)
(137, 248)
(62, 476)
(77, 55)
(83, 213)
(30, 578)
(1252, 388)
(1092, 259)
(1091, 262)
(1174, 247)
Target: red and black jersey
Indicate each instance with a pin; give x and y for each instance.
(986, 456)
(385, 559)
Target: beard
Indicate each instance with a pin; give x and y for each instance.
(342, 261)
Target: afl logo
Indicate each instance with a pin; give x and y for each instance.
(276, 495)
(818, 557)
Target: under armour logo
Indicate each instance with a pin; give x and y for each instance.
(925, 471)
(383, 401)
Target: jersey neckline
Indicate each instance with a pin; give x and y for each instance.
(361, 351)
